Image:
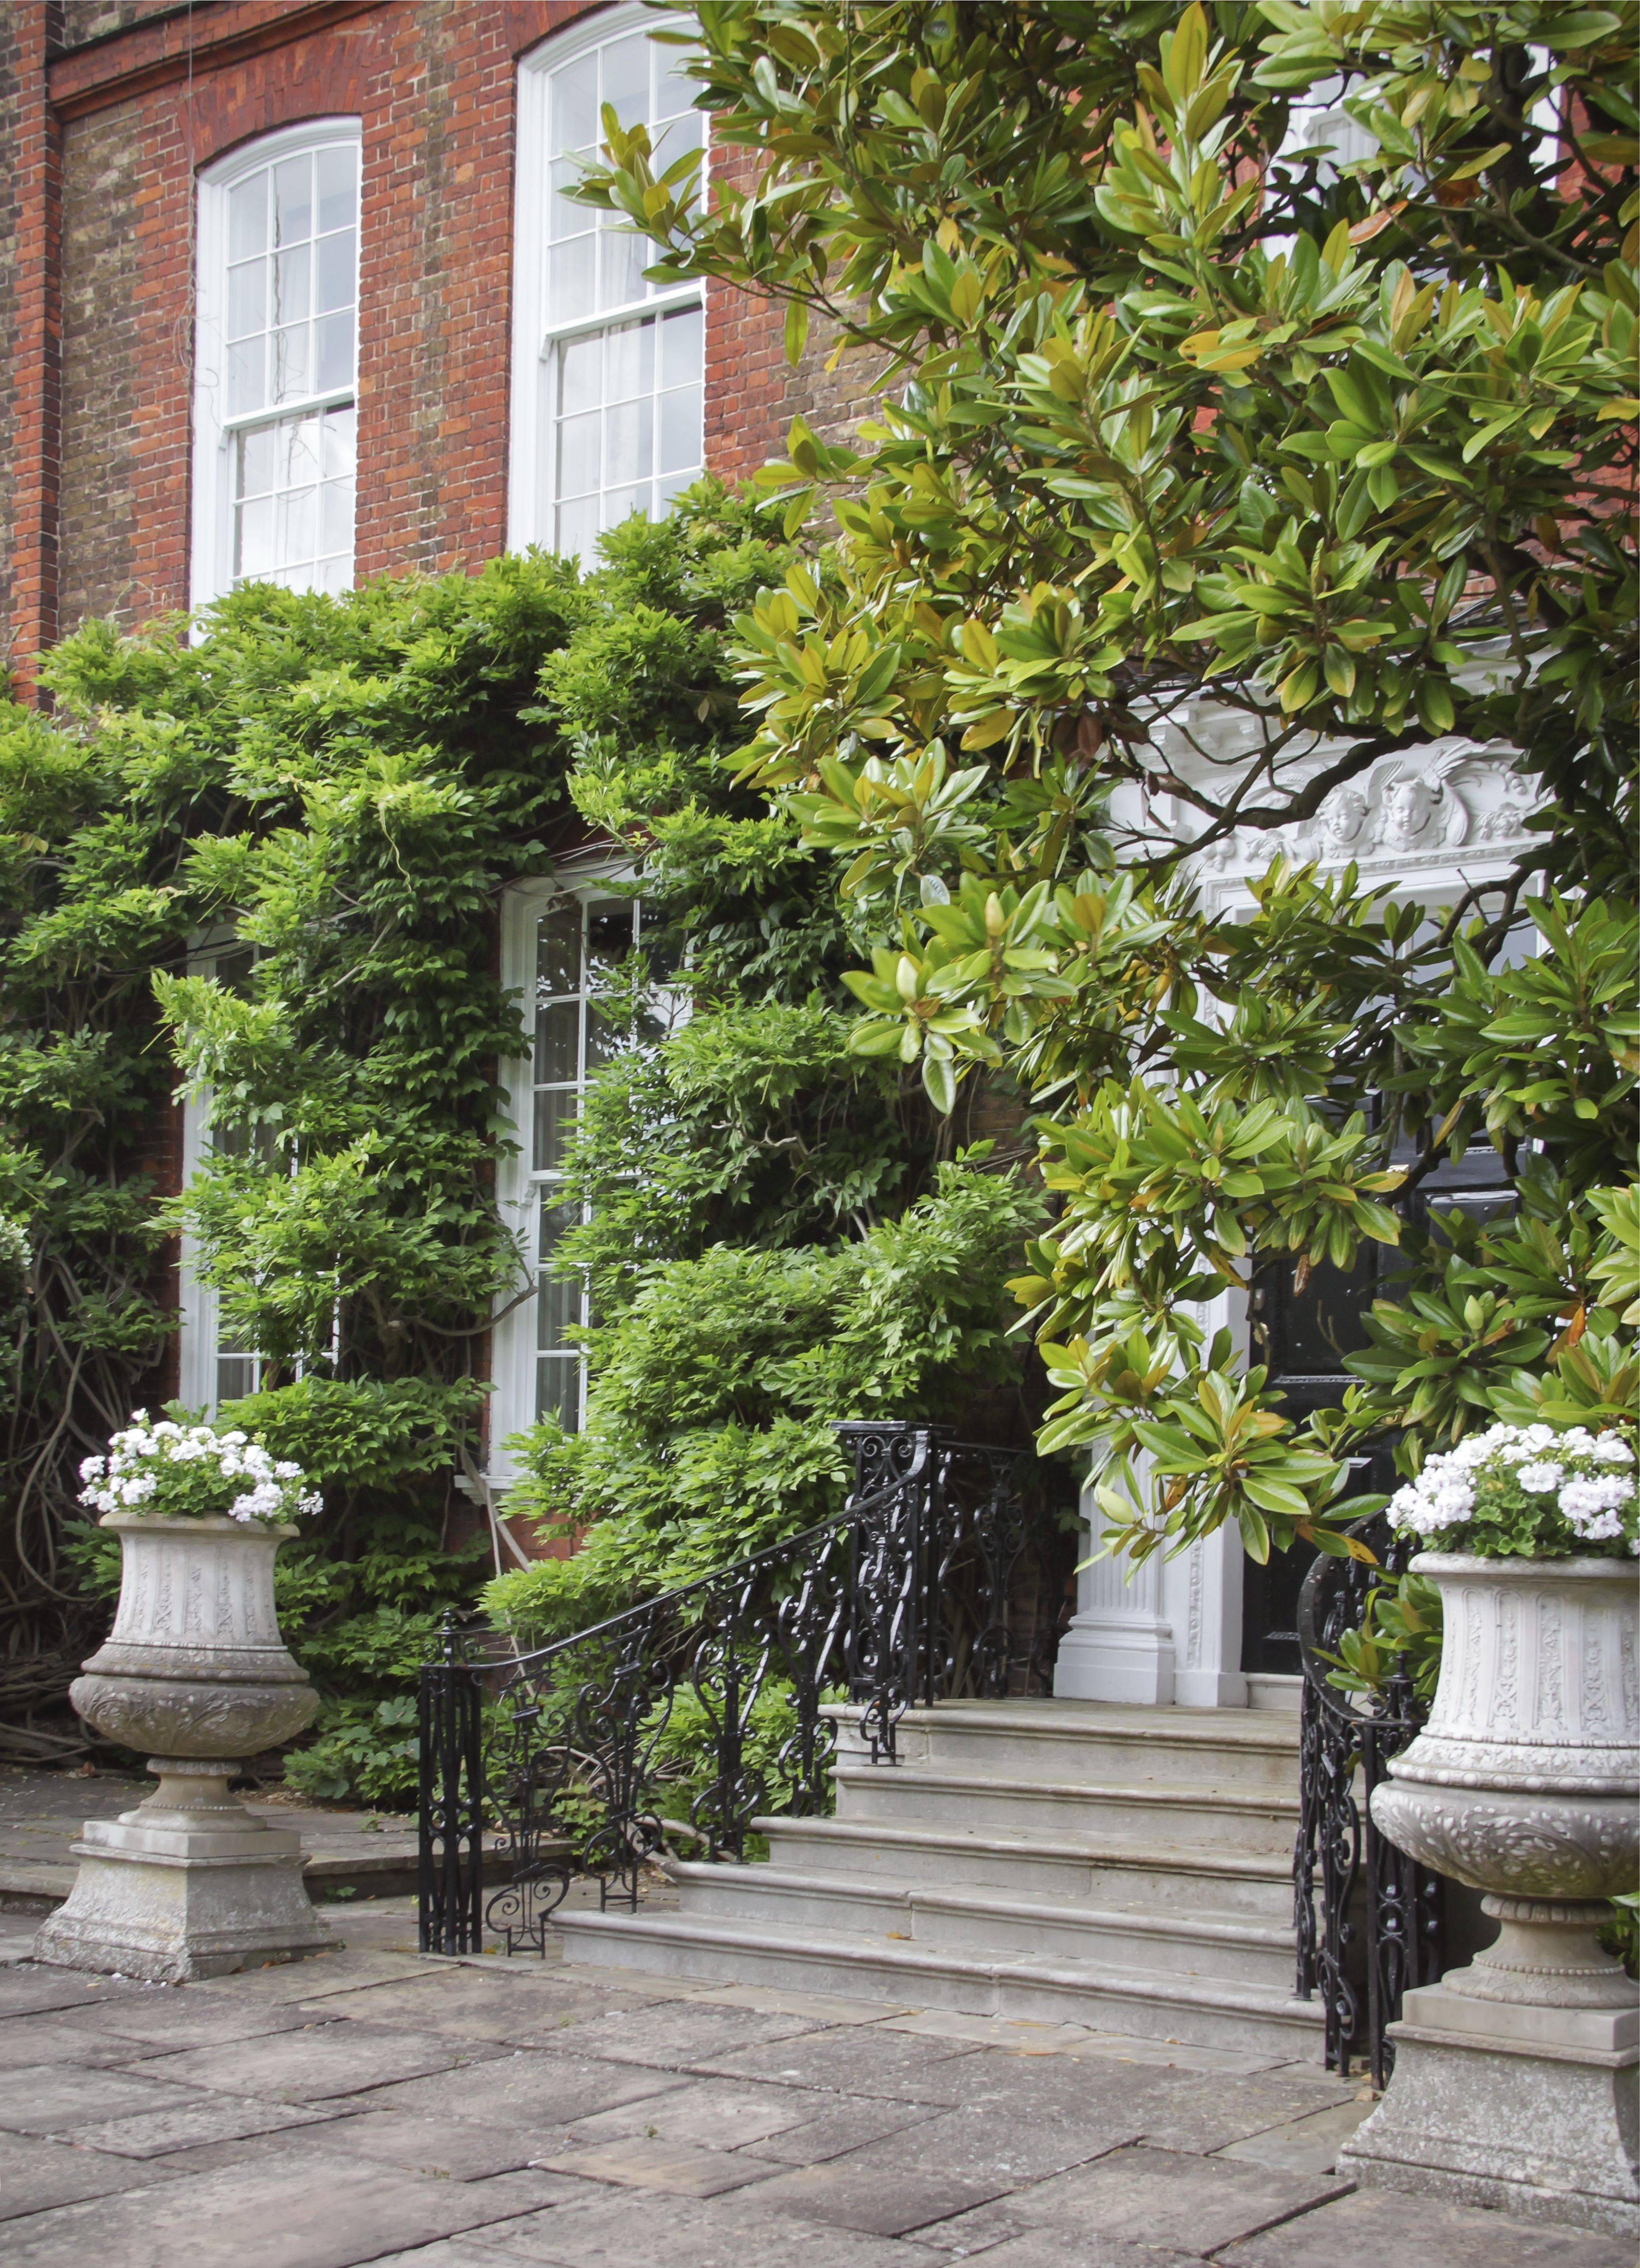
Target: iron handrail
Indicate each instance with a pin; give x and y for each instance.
(577, 1746)
(1378, 1930)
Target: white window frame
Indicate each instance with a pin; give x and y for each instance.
(513, 1351)
(199, 1333)
(530, 508)
(211, 575)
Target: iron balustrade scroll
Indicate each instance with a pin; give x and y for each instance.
(1376, 1930)
(590, 1759)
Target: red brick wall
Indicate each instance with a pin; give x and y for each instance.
(94, 499)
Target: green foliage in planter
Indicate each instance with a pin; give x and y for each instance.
(1219, 470)
(1399, 1637)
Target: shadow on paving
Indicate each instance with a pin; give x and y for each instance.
(370, 2105)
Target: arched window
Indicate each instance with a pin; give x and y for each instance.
(276, 363)
(606, 369)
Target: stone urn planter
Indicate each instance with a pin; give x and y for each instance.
(1515, 2078)
(189, 1884)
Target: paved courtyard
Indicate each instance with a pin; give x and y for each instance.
(368, 2105)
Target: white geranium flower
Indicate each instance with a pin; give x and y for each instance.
(1541, 1479)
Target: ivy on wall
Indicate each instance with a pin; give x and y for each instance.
(348, 786)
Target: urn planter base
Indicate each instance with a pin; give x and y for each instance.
(188, 1885)
(1529, 2110)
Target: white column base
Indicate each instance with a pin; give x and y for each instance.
(1167, 1631)
(187, 1885)
(1115, 1658)
(1526, 2109)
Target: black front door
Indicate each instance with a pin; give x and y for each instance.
(1305, 1337)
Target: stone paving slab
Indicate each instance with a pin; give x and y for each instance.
(325, 2060)
(36, 2174)
(370, 2109)
(630, 2230)
(314, 2212)
(55, 2098)
(1422, 2233)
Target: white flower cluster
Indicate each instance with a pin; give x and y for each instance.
(1592, 1503)
(183, 1468)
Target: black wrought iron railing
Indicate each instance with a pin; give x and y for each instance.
(1367, 1917)
(692, 1715)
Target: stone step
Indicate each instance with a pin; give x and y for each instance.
(1139, 1874)
(1071, 1740)
(1175, 1942)
(1257, 1824)
(1195, 2011)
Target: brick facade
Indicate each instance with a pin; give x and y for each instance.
(107, 113)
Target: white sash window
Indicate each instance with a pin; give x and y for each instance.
(607, 369)
(276, 379)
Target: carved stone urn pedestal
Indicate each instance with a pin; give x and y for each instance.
(189, 1884)
(1515, 2078)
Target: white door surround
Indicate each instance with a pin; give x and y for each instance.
(1431, 822)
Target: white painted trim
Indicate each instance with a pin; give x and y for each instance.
(1427, 823)
(529, 514)
(211, 574)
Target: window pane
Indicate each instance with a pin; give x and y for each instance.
(626, 78)
(247, 388)
(559, 1392)
(340, 426)
(248, 297)
(292, 283)
(668, 490)
(577, 454)
(621, 503)
(580, 374)
(558, 951)
(301, 451)
(247, 217)
(576, 533)
(336, 269)
(604, 1038)
(564, 216)
(569, 280)
(629, 443)
(630, 361)
(293, 200)
(291, 363)
(338, 186)
(335, 520)
(674, 89)
(681, 431)
(554, 1120)
(294, 527)
(682, 343)
(557, 1043)
(609, 930)
(335, 353)
(236, 1376)
(575, 105)
(558, 1307)
(257, 450)
(253, 553)
(622, 259)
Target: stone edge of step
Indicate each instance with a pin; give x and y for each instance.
(1163, 1794)
(1276, 1733)
(1130, 1921)
(1211, 1995)
(1168, 1859)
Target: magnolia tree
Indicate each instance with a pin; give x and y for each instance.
(1270, 361)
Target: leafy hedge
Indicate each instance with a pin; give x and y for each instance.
(349, 785)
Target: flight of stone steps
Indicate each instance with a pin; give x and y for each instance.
(1056, 1861)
